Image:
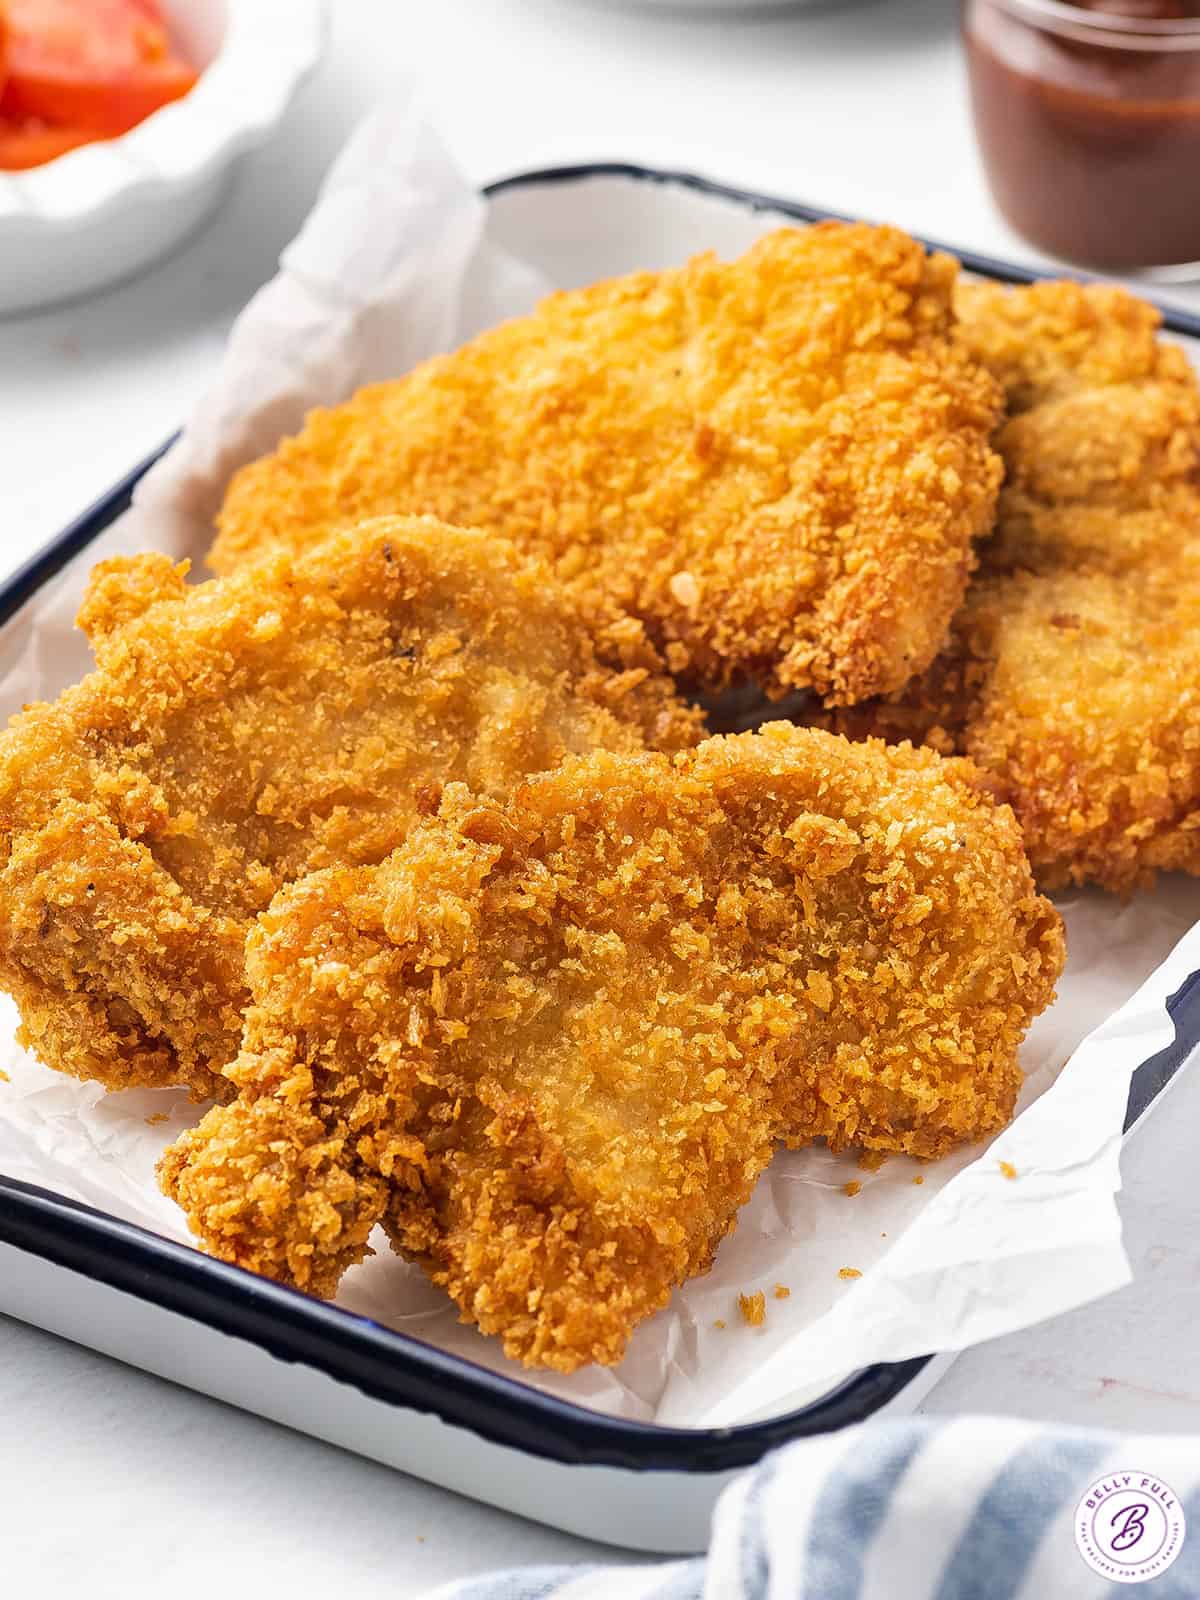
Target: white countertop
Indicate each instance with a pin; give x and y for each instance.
(125, 1484)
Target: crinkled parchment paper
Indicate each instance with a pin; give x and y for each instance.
(401, 259)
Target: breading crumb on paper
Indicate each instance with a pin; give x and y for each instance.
(849, 1272)
(852, 1188)
(753, 1308)
(782, 1291)
(1007, 1169)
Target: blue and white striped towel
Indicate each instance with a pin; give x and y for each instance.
(969, 1508)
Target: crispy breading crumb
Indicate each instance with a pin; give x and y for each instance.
(919, 1179)
(1007, 1168)
(4, 1077)
(849, 1272)
(753, 1308)
(782, 1292)
(685, 590)
(852, 1188)
(154, 1120)
(719, 1323)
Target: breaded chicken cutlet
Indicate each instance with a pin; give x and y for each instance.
(1073, 673)
(778, 464)
(550, 1044)
(299, 714)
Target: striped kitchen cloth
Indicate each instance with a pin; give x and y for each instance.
(965, 1508)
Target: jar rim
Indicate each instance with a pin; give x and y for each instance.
(1123, 32)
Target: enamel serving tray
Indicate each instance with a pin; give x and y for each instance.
(168, 1309)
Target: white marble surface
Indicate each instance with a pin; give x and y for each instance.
(119, 1482)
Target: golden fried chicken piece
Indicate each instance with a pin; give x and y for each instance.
(779, 464)
(296, 715)
(550, 1044)
(1073, 673)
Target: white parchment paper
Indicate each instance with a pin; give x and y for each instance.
(401, 259)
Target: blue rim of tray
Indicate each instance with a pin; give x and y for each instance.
(393, 1367)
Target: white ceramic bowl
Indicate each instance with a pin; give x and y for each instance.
(100, 212)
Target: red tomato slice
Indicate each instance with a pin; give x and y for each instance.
(32, 144)
(100, 64)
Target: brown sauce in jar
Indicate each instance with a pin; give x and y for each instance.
(1092, 150)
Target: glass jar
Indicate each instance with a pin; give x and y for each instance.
(1088, 121)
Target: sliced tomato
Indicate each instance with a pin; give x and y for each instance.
(32, 144)
(100, 64)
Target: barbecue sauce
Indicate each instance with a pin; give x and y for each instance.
(1092, 150)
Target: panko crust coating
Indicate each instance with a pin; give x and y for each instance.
(550, 1044)
(1073, 673)
(779, 464)
(297, 715)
